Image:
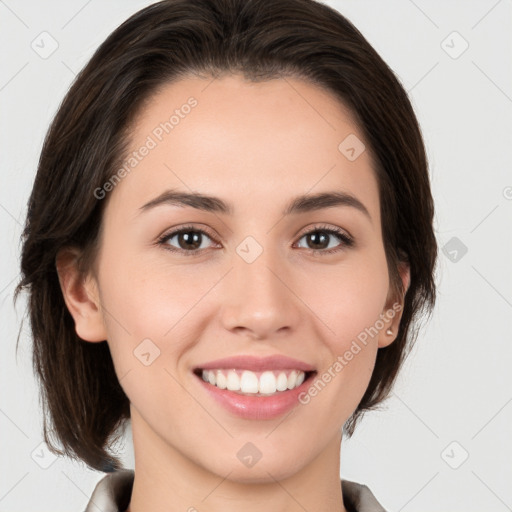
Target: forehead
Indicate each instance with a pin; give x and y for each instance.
(251, 143)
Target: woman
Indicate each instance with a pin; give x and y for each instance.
(228, 241)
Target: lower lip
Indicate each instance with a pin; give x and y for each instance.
(256, 407)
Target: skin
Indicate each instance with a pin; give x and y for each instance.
(255, 146)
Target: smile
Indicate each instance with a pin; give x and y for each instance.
(246, 382)
(255, 388)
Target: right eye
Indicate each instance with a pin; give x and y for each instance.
(189, 240)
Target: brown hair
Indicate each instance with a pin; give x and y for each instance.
(83, 402)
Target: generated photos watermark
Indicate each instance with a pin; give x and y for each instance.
(135, 157)
(341, 361)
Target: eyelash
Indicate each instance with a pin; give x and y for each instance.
(346, 241)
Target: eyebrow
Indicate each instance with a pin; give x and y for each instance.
(300, 204)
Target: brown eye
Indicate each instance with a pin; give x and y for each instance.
(318, 239)
(189, 239)
(186, 240)
(324, 240)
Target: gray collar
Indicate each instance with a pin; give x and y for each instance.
(113, 492)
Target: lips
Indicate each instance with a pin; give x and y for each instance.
(257, 364)
(255, 388)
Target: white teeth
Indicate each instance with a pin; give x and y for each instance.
(247, 382)
(292, 379)
(282, 382)
(222, 382)
(267, 383)
(233, 381)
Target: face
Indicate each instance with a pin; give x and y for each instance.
(213, 329)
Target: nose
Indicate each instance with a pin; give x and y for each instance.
(259, 298)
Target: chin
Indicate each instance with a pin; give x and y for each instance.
(267, 469)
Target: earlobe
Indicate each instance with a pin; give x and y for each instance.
(80, 294)
(392, 314)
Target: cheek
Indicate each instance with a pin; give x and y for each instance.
(349, 302)
(148, 296)
(347, 299)
(151, 308)
(152, 318)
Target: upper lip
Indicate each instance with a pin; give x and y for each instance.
(257, 364)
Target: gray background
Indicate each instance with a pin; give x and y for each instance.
(440, 442)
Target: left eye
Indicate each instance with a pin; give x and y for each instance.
(320, 236)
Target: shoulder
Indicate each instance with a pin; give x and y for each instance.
(113, 492)
(359, 498)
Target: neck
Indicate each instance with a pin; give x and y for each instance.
(165, 479)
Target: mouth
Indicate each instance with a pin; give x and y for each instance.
(255, 388)
(254, 383)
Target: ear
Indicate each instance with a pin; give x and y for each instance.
(392, 312)
(81, 296)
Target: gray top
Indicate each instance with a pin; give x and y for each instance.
(113, 492)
